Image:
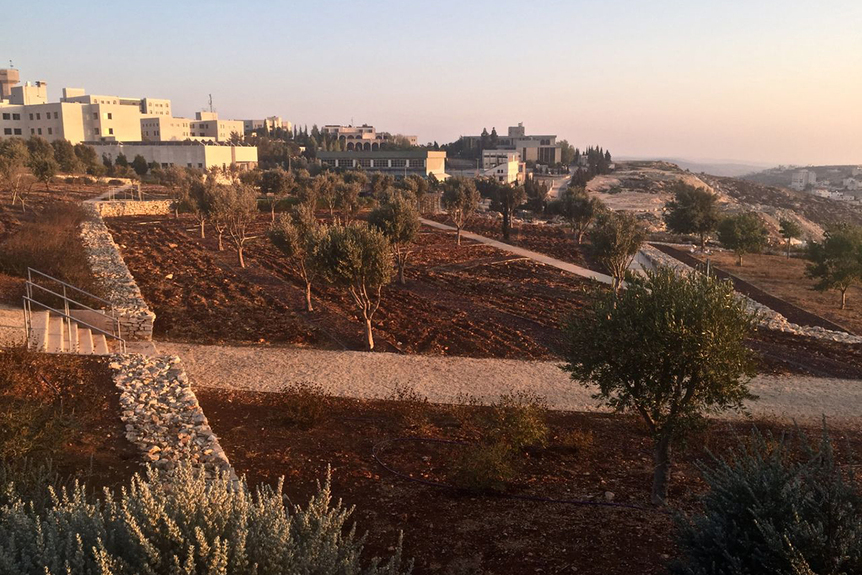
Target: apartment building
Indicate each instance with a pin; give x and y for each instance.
(362, 138)
(270, 123)
(503, 165)
(25, 111)
(538, 148)
(801, 179)
(188, 154)
(395, 162)
(207, 125)
(165, 129)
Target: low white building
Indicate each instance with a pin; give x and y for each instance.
(189, 154)
(503, 165)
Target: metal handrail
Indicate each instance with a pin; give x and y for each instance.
(66, 300)
(77, 289)
(29, 322)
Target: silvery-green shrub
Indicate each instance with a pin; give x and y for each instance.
(187, 523)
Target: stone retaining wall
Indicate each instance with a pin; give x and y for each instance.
(162, 415)
(769, 318)
(136, 319)
(117, 208)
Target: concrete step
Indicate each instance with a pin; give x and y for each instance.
(100, 345)
(39, 330)
(55, 335)
(85, 341)
(73, 333)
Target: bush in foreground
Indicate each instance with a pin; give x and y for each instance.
(185, 524)
(768, 510)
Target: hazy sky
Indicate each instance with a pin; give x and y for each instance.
(756, 80)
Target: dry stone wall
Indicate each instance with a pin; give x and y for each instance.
(769, 318)
(117, 208)
(162, 415)
(136, 319)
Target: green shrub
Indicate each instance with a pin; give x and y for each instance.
(517, 420)
(305, 404)
(770, 509)
(485, 467)
(184, 524)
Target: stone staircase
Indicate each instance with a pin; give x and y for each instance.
(55, 334)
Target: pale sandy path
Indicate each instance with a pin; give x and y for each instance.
(535, 256)
(442, 379)
(11, 325)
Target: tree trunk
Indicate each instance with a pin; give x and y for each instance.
(580, 236)
(739, 260)
(220, 242)
(308, 306)
(661, 473)
(272, 210)
(703, 242)
(203, 235)
(505, 226)
(239, 253)
(788, 248)
(458, 236)
(843, 298)
(368, 335)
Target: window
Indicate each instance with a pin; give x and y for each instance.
(364, 162)
(95, 116)
(50, 131)
(7, 131)
(56, 115)
(7, 116)
(200, 165)
(110, 116)
(16, 116)
(110, 130)
(38, 116)
(189, 164)
(17, 131)
(32, 132)
(96, 130)
(31, 116)
(40, 131)
(399, 163)
(417, 163)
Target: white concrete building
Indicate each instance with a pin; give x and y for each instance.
(801, 179)
(363, 138)
(189, 154)
(503, 165)
(271, 123)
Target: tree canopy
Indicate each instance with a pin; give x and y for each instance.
(692, 211)
(615, 240)
(836, 262)
(743, 234)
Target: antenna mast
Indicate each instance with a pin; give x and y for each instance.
(211, 102)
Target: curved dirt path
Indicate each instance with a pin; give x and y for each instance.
(443, 379)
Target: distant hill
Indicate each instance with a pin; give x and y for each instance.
(781, 175)
(728, 168)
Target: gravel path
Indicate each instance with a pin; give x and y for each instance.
(535, 256)
(11, 325)
(443, 379)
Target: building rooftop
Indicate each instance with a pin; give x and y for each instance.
(407, 154)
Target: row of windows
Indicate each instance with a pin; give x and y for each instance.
(7, 116)
(11, 131)
(368, 163)
(36, 116)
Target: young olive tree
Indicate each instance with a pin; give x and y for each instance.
(324, 186)
(299, 238)
(789, 230)
(359, 259)
(616, 239)
(744, 234)
(14, 157)
(196, 200)
(836, 262)
(398, 219)
(42, 162)
(176, 180)
(578, 209)
(460, 199)
(347, 200)
(505, 198)
(241, 212)
(218, 197)
(276, 184)
(669, 348)
(692, 211)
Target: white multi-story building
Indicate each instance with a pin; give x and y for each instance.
(270, 123)
(539, 148)
(362, 138)
(503, 165)
(801, 179)
(188, 154)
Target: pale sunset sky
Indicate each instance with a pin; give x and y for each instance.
(756, 81)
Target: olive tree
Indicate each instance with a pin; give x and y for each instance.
(196, 201)
(218, 198)
(836, 262)
(505, 198)
(398, 219)
(299, 239)
(789, 230)
(743, 234)
(14, 157)
(325, 186)
(692, 211)
(578, 209)
(359, 259)
(276, 184)
(347, 199)
(669, 348)
(616, 239)
(42, 162)
(241, 212)
(460, 199)
(176, 180)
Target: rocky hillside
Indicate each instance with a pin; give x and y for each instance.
(642, 187)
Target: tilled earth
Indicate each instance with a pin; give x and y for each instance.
(589, 457)
(471, 300)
